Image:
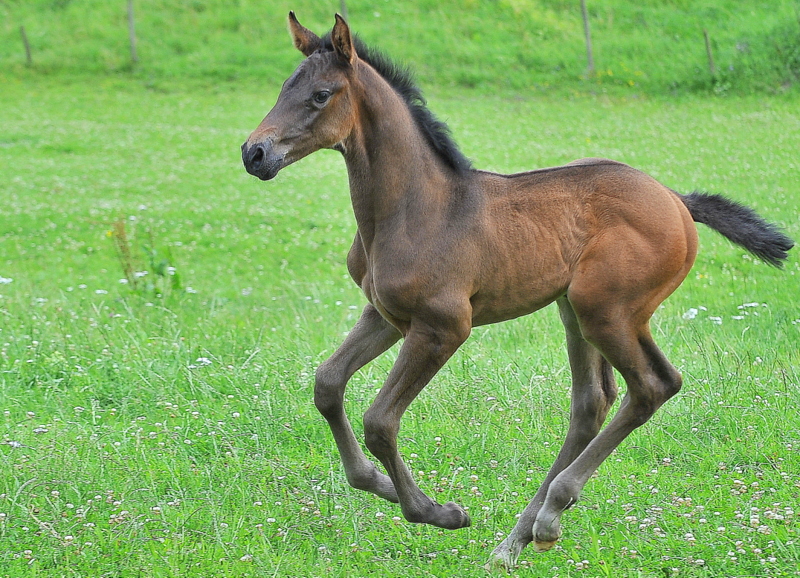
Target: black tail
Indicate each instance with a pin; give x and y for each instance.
(740, 224)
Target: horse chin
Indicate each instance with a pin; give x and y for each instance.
(269, 169)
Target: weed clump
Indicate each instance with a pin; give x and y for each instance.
(151, 269)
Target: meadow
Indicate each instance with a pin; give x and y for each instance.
(157, 406)
(162, 313)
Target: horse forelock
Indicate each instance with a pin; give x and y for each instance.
(296, 75)
(306, 68)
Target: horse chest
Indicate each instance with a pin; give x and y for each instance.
(393, 287)
(395, 295)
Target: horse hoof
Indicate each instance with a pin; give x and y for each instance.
(457, 517)
(543, 546)
(545, 537)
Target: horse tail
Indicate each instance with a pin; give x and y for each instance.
(740, 224)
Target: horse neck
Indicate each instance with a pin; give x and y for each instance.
(394, 174)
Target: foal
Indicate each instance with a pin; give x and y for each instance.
(442, 248)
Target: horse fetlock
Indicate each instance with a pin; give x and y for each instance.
(373, 481)
(562, 493)
(504, 557)
(455, 517)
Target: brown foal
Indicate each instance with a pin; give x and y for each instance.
(442, 248)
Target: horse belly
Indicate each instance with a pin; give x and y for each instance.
(533, 284)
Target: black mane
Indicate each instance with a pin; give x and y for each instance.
(400, 78)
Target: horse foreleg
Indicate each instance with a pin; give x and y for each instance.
(371, 336)
(424, 352)
(593, 393)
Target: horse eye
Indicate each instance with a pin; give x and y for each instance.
(322, 96)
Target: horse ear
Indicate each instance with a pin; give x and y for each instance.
(304, 40)
(343, 41)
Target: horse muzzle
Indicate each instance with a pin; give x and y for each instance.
(261, 160)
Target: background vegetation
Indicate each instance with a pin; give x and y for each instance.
(649, 45)
(162, 313)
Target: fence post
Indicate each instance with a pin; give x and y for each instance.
(711, 66)
(28, 57)
(132, 32)
(343, 7)
(588, 34)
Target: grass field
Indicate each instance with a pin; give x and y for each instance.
(165, 427)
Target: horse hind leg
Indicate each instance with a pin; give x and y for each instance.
(594, 391)
(618, 284)
(651, 381)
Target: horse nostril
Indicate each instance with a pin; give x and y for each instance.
(253, 156)
(257, 159)
(261, 161)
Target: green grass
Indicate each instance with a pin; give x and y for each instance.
(650, 46)
(169, 429)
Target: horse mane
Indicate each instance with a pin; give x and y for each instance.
(400, 78)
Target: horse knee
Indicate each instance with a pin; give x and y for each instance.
(328, 391)
(380, 436)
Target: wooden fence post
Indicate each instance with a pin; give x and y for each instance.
(132, 32)
(588, 34)
(343, 7)
(28, 57)
(711, 66)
